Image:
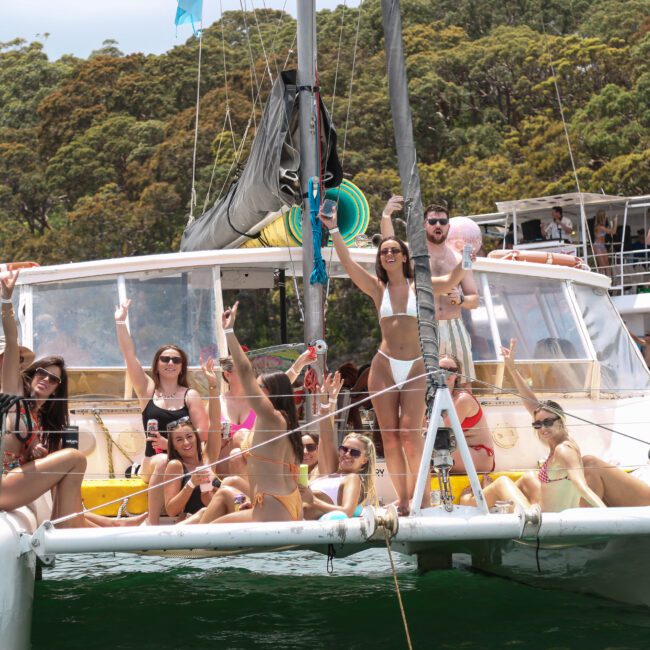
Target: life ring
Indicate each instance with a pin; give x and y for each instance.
(14, 266)
(540, 257)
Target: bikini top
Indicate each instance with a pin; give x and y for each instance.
(472, 420)
(543, 477)
(246, 424)
(386, 308)
(246, 445)
(328, 485)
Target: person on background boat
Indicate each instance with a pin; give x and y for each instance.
(34, 461)
(397, 370)
(600, 246)
(560, 482)
(273, 467)
(164, 397)
(452, 334)
(559, 227)
(339, 494)
(472, 420)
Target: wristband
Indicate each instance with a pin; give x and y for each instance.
(385, 216)
(333, 230)
(190, 484)
(333, 400)
(230, 330)
(120, 322)
(9, 301)
(324, 407)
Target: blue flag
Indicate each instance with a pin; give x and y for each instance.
(189, 11)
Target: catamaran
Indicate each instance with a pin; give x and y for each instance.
(557, 313)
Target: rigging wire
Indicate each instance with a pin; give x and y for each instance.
(196, 128)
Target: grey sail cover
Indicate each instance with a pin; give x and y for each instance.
(271, 176)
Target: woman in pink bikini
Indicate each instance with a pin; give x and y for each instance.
(560, 482)
(472, 420)
(399, 410)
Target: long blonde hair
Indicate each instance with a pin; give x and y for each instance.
(367, 474)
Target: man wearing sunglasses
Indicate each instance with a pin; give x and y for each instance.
(453, 336)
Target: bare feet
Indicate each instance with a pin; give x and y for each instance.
(403, 507)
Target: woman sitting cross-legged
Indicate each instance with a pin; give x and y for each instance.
(340, 494)
(273, 467)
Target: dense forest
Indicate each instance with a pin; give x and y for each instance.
(96, 154)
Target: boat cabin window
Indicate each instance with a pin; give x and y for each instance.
(622, 368)
(537, 313)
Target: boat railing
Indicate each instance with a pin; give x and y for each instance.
(630, 272)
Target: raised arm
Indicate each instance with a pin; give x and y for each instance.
(361, 278)
(445, 283)
(328, 456)
(261, 403)
(213, 444)
(525, 392)
(307, 357)
(142, 383)
(11, 381)
(395, 204)
(570, 458)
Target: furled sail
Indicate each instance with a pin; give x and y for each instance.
(271, 177)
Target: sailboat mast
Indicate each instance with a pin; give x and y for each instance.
(410, 178)
(308, 106)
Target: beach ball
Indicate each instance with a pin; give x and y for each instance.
(462, 230)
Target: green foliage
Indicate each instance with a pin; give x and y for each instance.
(96, 154)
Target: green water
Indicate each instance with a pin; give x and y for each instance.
(289, 601)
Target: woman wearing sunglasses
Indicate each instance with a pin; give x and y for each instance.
(33, 461)
(397, 368)
(163, 397)
(472, 420)
(560, 482)
(341, 493)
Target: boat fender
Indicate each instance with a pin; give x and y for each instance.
(329, 516)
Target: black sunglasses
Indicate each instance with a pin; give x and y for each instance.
(52, 378)
(451, 371)
(546, 422)
(175, 360)
(355, 453)
(443, 221)
(177, 423)
(310, 447)
(392, 251)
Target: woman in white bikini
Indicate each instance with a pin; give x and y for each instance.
(400, 410)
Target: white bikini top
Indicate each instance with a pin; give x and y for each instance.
(328, 485)
(386, 308)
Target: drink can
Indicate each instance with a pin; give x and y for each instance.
(240, 499)
(467, 257)
(152, 427)
(225, 430)
(303, 475)
(206, 484)
(436, 498)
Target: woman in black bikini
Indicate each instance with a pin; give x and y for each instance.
(164, 397)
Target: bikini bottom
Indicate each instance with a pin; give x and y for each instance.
(488, 450)
(400, 368)
(292, 502)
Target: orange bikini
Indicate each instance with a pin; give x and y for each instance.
(292, 502)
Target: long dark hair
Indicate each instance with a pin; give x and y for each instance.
(53, 413)
(182, 377)
(172, 452)
(406, 265)
(281, 396)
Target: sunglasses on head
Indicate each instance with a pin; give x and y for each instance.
(355, 453)
(310, 447)
(546, 422)
(44, 374)
(177, 423)
(392, 251)
(166, 359)
(432, 221)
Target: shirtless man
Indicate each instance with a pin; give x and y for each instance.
(453, 336)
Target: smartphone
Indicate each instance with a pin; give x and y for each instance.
(327, 209)
(467, 257)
